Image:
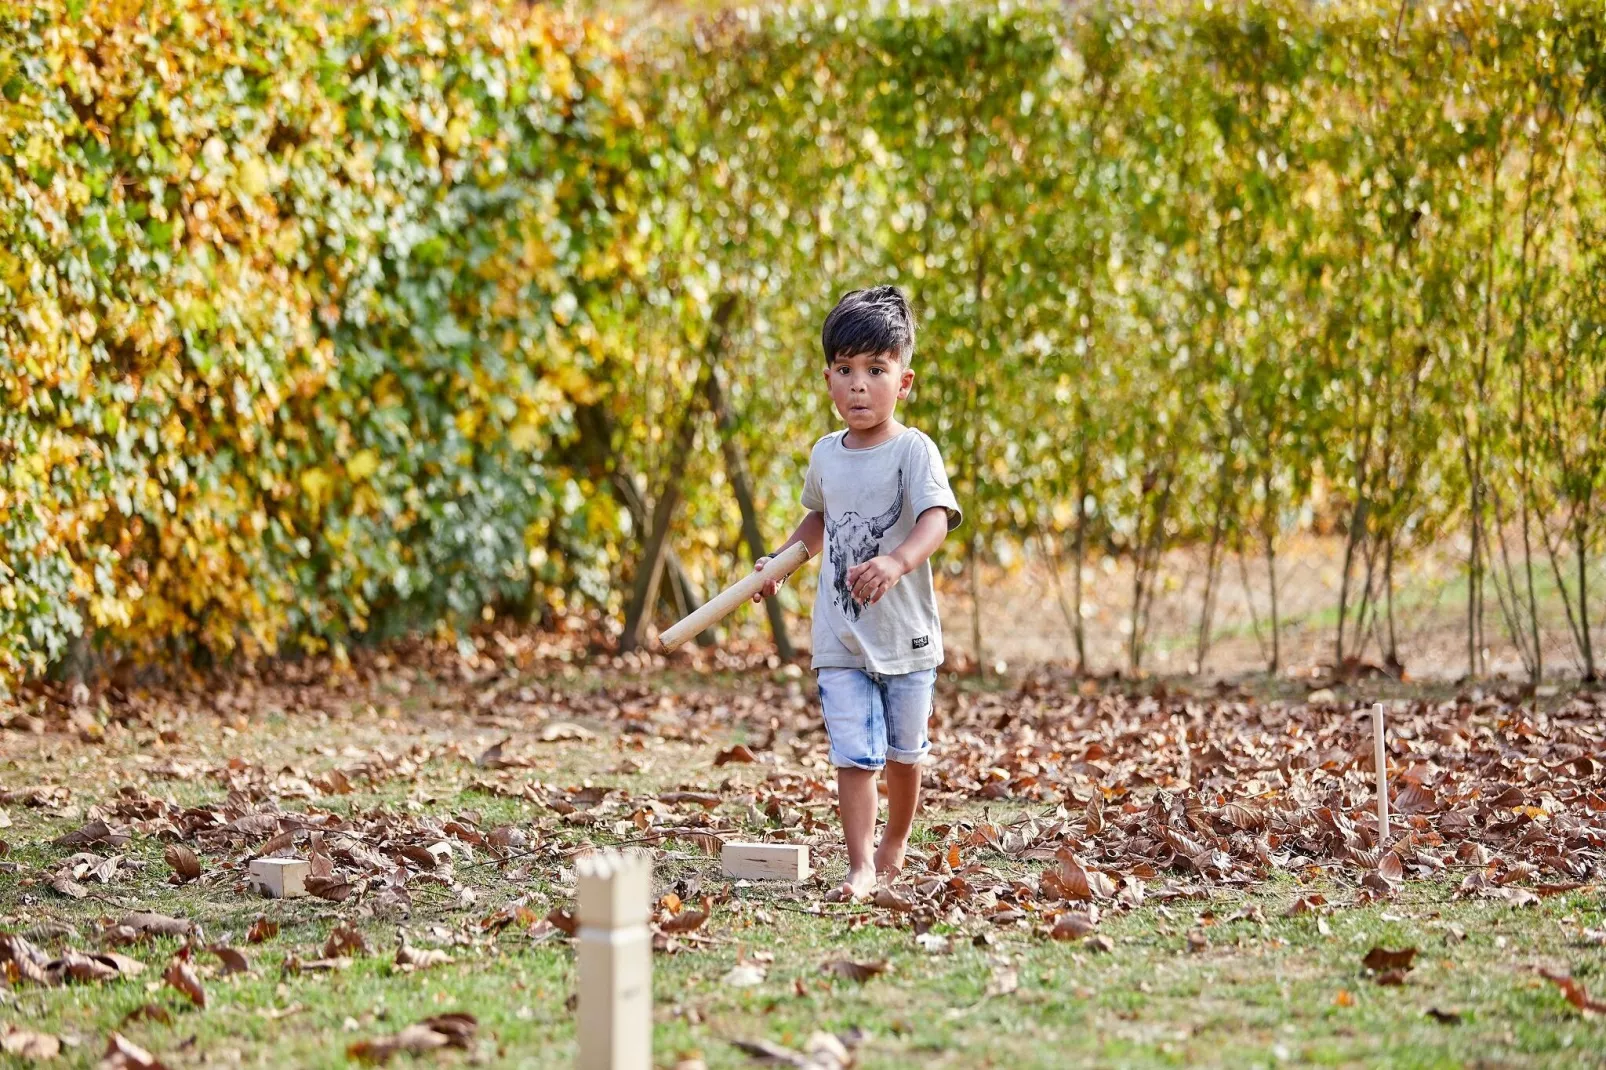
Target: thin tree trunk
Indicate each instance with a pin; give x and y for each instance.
(1276, 626)
(651, 569)
(1368, 604)
(1051, 556)
(594, 453)
(1249, 597)
(1357, 527)
(973, 557)
(1581, 543)
(1080, 556)
(682, 590)
(1524, 463)
(1553, 554)
(1145, 569)
(736, 469)
(1474, 586)
(644, 592)
(1391, 659)
(1212, 569)
(1269, 531)
(1507, 596)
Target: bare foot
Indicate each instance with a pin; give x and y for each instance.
(860, 883)
(889, 858)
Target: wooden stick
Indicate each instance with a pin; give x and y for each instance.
(725, 602)
(1382, 776)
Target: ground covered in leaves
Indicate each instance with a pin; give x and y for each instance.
(1106, 877)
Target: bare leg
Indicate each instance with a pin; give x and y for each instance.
(903, 801)
(856, 798)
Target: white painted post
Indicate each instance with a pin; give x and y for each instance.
(614, 893)
(1382, 776)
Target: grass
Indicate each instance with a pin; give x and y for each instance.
(1288, 990)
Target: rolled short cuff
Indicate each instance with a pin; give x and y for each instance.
(908, 757)
(869, 765)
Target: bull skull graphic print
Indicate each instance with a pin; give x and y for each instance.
(856, 539)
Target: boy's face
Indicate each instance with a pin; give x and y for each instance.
(867, 387)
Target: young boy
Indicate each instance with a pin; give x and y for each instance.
(879, 501)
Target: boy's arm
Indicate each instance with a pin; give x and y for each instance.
(810, 531)
(873, 579)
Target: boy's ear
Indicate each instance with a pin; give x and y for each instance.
(906, 382)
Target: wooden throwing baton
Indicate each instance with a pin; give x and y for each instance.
(725, 602)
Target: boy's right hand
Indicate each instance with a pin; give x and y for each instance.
(769, 589)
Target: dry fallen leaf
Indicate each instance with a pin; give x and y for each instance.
(744, 975)
(856, 971)
(1071, 925)
(738, 753)
(345, 939)
(331, 888)
(888, 899)
(124, 1054)
(78, 967)
(1306, 904)
(26, 1044)
(1005, 979)
(688, 920)
(233, 961)
(563, 730)
(492, 758)
(1071, 881)
(1382, 958)
(157, 925)
(95, 832)
(1573, 989)
(181, 975)
(821, 1051)
(186, 867)
(442, 1031)
(262, 929)
(147, 1012)
(412, 958)
(126, 967)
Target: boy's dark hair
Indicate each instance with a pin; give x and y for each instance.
(876, 320)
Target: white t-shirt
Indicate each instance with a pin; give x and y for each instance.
(871, 499)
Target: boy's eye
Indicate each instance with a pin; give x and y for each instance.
(876, 371)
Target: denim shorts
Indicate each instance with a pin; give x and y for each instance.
(874, 719)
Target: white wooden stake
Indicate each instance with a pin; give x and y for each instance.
(1382, 776)
(614, 890)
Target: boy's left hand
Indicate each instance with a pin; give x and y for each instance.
(874, 578)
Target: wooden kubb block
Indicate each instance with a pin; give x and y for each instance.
(280, 878)
(765, 861)
(614, 955)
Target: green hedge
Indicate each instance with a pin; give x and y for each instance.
(292, 312)
(323, 321)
